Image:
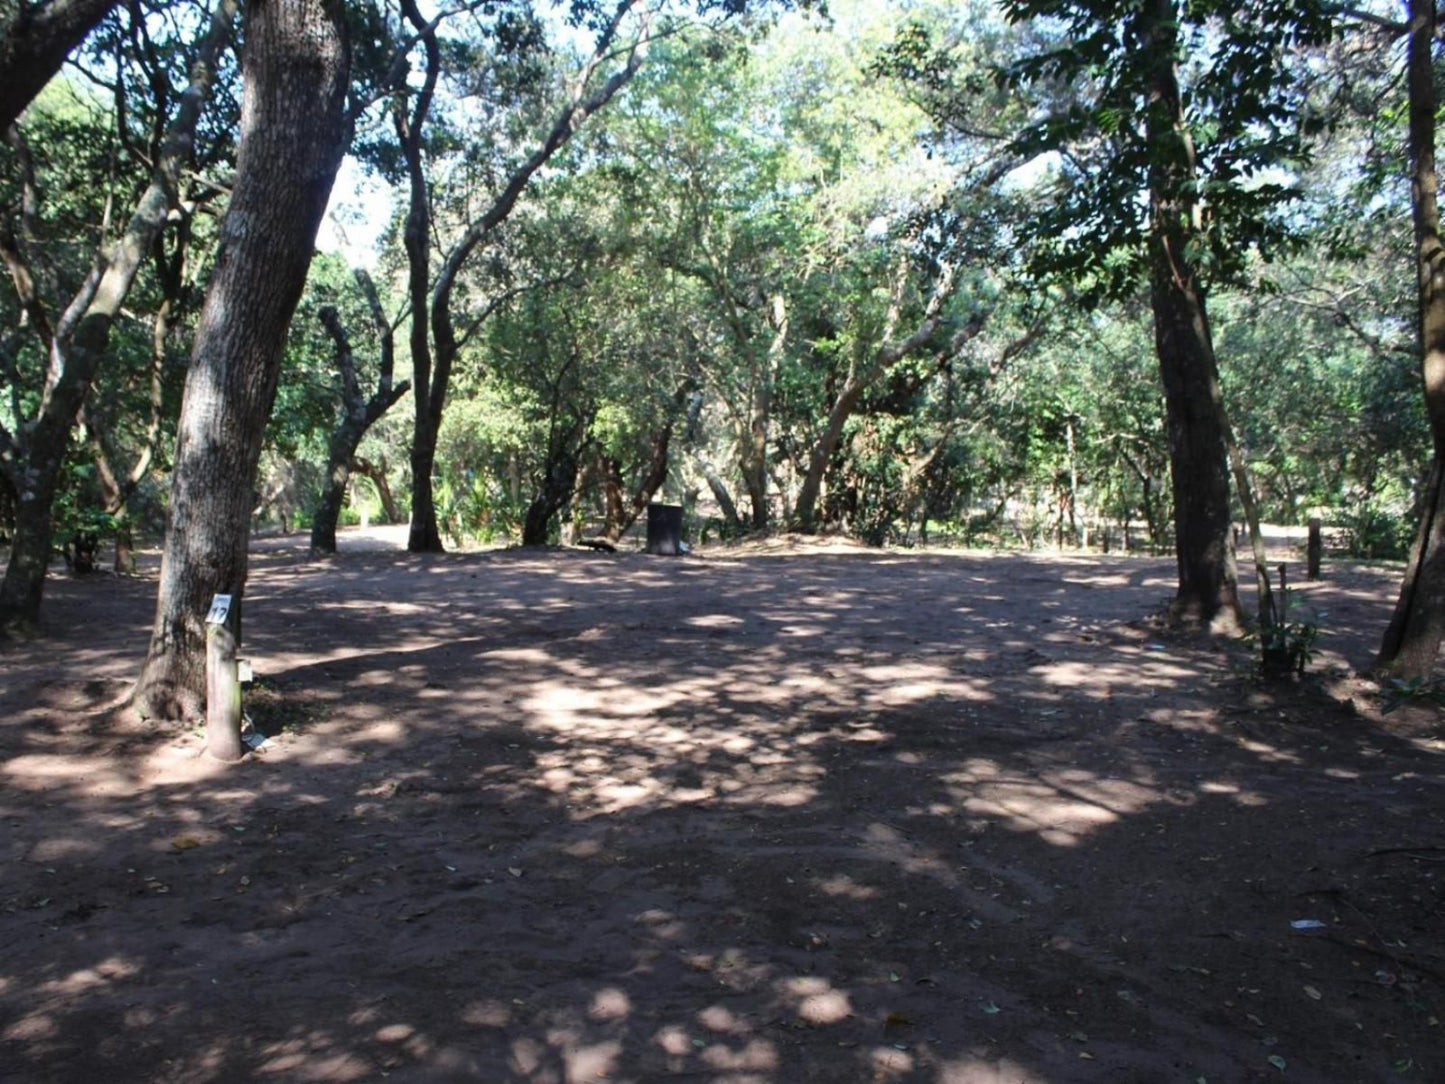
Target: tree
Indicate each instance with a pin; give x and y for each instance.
(293, 134)
(1198, 154)
(34, 44)
(359, 413)
(1412, 640)
(75, 342)
(435, 338)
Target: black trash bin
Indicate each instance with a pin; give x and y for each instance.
(664, 529)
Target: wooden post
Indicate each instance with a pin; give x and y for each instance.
(223, 686)
(1315, 550)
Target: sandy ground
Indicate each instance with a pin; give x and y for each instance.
(793, 813)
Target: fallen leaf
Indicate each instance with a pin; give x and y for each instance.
(185, 843)
(1278, 1062)
(1313, 993)
(990, 1008)
(514, 871)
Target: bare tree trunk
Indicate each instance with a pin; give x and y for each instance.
(1412, 641)
(1208, 591)
(430, 387)
(293, 133)
(558, 485)
(358, 414)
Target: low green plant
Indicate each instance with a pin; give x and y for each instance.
(1285, 646)
(1399, 692)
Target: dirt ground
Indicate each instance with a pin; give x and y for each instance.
(778, 815)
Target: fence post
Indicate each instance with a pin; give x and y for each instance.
(223, 686)
(1314, 551)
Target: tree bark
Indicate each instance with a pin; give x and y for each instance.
(1208, 591)
(34, 454)
(35, 44)
(358, 414)
(293, 133)
(1412, 641)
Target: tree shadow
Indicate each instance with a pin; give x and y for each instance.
(560, 818)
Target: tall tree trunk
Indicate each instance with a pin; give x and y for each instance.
(358, 414)
(34, 455)
(1208, 591)
(1412, 640)
(804, 511)
(609, 474)
(293, 133)
(429, 396)
(753, 460)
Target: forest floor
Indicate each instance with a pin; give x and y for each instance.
(780, 814)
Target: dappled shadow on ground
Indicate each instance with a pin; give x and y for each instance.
(554, 817)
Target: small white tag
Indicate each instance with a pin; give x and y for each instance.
(220, 607)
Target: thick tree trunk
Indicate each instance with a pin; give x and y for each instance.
(35, 44)
(293, 133)
(1208, 591)
(753, 459)
(425, 535)
(81, 338)
(1412, 641)
(755, 482)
